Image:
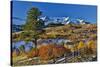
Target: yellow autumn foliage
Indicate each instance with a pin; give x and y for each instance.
(91, 44)
(81, 45)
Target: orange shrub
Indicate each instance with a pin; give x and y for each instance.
(33, 53)
(52, 51)
(45, 52)
(58, 51)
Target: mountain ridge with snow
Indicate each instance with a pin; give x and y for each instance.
(63, 20)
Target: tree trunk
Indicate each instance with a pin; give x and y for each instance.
(35, 41)
(36, 54)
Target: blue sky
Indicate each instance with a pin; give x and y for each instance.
(87, 12)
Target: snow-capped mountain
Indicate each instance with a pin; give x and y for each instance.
(81, 21)
(62, 20)
(45, 18)
(66, 20)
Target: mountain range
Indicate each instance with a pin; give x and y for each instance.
(63, 20)
(53, 21)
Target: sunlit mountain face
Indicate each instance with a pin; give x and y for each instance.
(63, 20)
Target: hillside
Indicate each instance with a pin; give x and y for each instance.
(72, 32)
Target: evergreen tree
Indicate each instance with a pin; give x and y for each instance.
(33, 25)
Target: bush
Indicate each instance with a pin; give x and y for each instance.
(91, 44)
(48, 52)
(33, 53)
(58, 51)
(88, 51)
(52, 35)
(91, 47)
(81, 45)
(45, 52)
